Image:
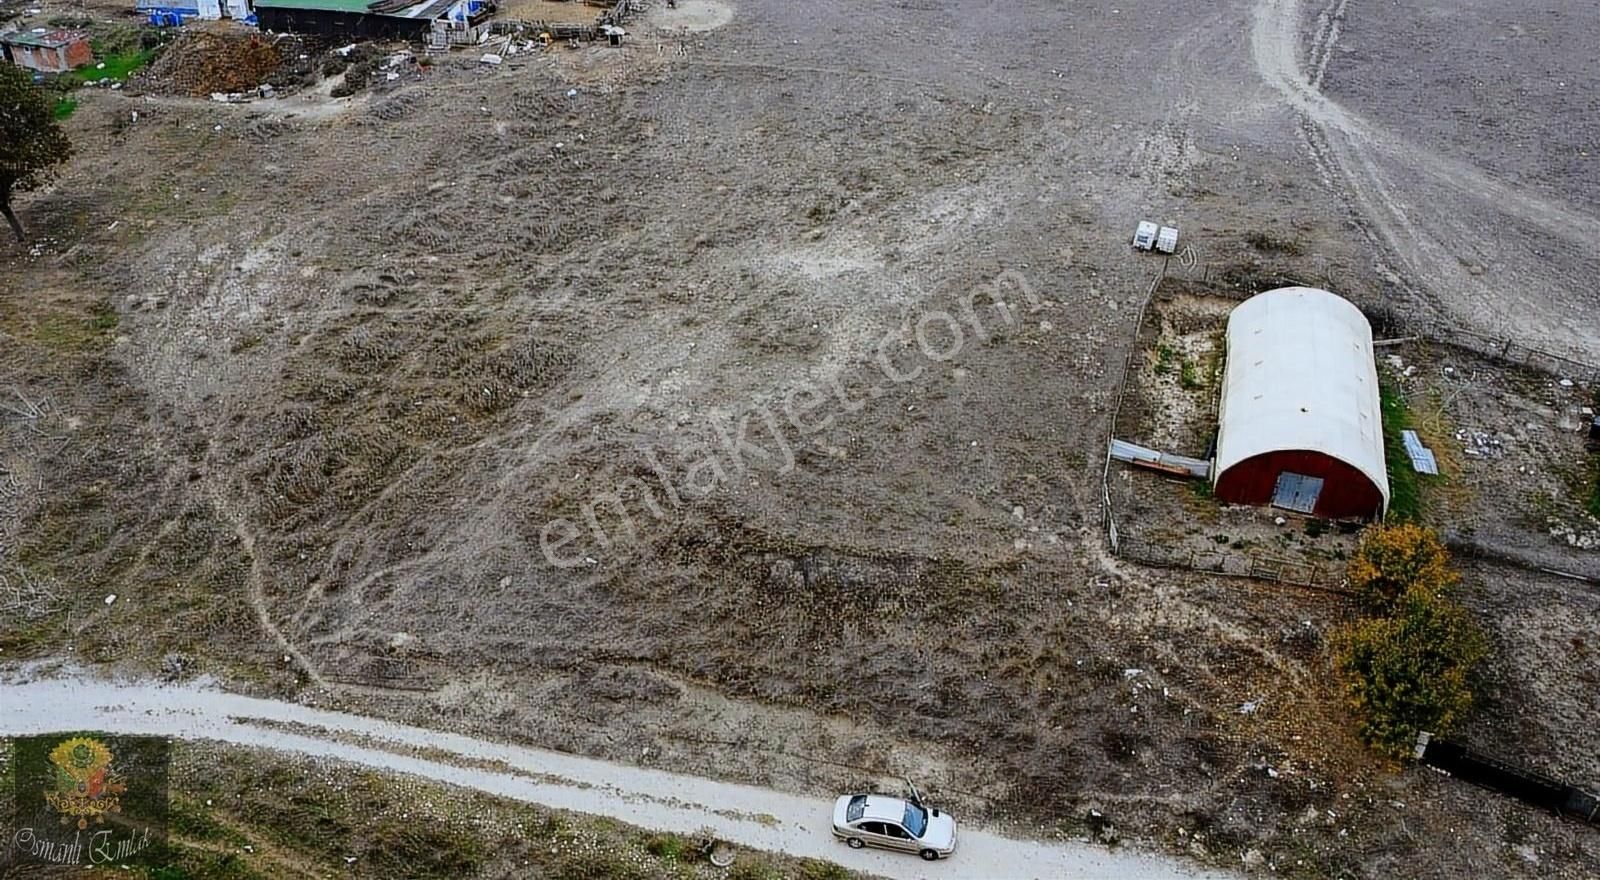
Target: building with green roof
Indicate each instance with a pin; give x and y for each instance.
(366, 19)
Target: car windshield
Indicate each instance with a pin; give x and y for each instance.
(855, 808)
(916, 820)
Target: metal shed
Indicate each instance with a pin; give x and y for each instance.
(357, 19)
(1300, 425)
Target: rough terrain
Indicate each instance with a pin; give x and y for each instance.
(310, 386)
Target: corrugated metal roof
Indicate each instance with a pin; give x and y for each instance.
(1300, 375)
(1133, 453)
(356, 6)
(48, 40)
(1421, 456)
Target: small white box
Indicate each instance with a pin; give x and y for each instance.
(1167, 240)
(1144, 238)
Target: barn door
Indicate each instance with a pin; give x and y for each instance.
(1297, 492)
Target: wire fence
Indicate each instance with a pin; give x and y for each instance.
(1462, 548)
(1508, 351)
(1326, 576)
(1236, 563)
(1321, 576)
(1391, 322)
(1109, 513)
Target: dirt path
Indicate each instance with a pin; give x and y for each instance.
(253, 592)
(1275, 41)
(1407, 195)
(748, 816)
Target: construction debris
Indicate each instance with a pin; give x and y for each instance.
(223, 61)
(1480, 444)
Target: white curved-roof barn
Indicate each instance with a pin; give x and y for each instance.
(1300, 376)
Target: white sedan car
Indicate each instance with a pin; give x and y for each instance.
(892, 823)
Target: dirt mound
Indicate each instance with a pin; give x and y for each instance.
(202, 62)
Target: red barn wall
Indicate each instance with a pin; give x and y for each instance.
(1346, 492)
(79, 54)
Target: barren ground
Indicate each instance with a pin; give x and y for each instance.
(310, 381)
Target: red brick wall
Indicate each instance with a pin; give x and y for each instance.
(79, 54)
(49, 60)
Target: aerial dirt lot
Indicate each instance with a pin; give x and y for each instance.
(326, 391)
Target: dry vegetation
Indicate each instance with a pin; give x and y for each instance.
(321, 372)
(239, 814)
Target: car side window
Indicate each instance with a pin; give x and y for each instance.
(894, 830)
(871, 827)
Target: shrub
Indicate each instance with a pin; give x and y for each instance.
(669, 847)
(750, 869)
(1269, 243)
(813, 869)
(1165, 355)
(1189, 376)
(1411, 672)
(1393, 561)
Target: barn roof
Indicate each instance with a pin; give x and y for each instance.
(46, 39)
(356, 6)
(1300, 376)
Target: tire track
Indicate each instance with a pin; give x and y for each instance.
(1274, 41)
(1330, 27)
(1401, 193)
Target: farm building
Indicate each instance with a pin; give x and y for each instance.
(55, 51)
(1300, 426)
(167, 13)
(383, 19)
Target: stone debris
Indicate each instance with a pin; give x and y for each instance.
(1480, 444)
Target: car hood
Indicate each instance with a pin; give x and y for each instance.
(941, 833)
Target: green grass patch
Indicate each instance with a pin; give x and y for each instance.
(64, 108)
(33, 638)
(118, 67)
(812, 869)
(667, 847)
(193, 820)
(1405, 484)
(1189, 376)
(1164, 358)
(65, 330)
(240, 814)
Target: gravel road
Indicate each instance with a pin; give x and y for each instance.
(746, 815)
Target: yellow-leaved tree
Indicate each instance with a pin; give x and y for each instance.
(1392, 561)
(1409, 664)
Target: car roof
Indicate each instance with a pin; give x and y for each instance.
(881, 807)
